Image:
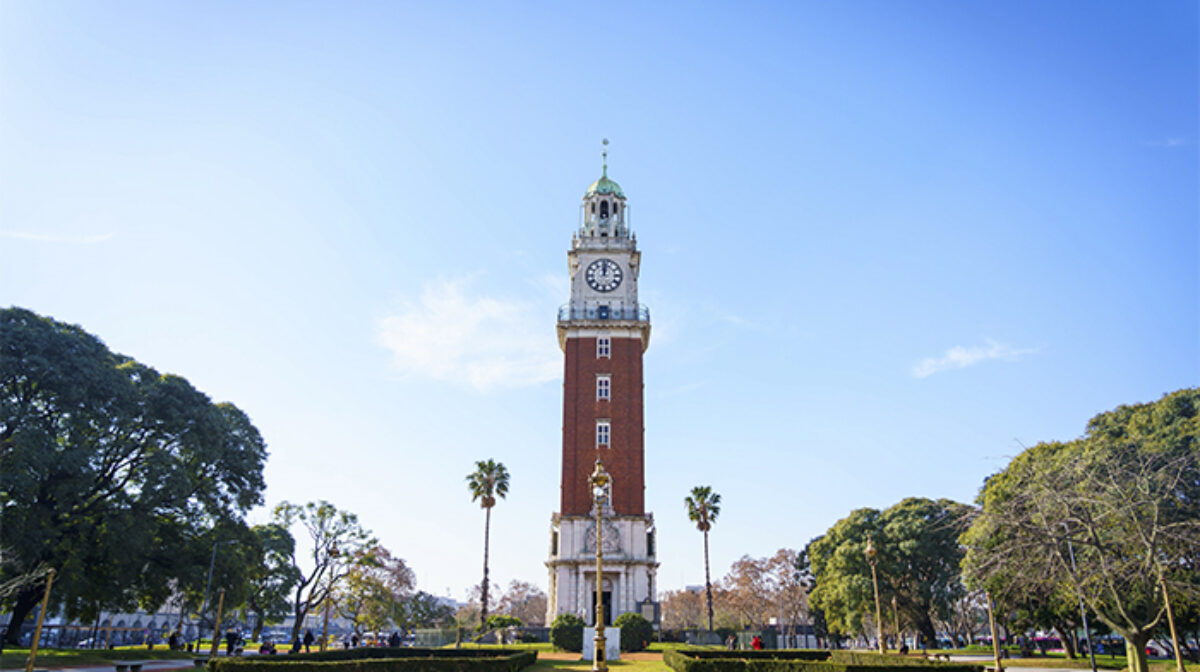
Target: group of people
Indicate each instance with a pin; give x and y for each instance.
(731, 643)
(353, 640)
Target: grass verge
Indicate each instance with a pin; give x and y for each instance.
(15, 658)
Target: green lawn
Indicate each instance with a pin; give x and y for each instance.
(624, 665)
(535, 646)
(15, 657)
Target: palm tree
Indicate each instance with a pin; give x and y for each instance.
(703, 507)
(489, 480)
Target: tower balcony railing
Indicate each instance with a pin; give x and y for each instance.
(638, 313)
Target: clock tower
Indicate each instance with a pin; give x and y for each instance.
(602, 331)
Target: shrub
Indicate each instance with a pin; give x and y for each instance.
(872, 659)
(636, 631)
(697, 660)
(566, 632)
(383, 660)
(495, 621)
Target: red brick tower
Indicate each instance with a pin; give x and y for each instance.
(603, 332)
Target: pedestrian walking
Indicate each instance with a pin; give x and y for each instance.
(308, 640)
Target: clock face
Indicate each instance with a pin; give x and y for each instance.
(603, 275)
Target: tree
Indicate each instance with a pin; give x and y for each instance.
(374, 588)
(747, 592)
(703, 507)
(967, 615)
(271, 575)
(110, 472)
(787, 589)
(487, 482)
(918, 564)
(806, 578)
(337, 542)
(1124, 500)
(682, 610)
(422, 610)
(758, 589)
(524, 601)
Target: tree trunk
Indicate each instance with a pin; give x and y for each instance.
(26, 600)
(928, 632)
(256, 635)
(483, 600)
(1135, 651)
(1068, 640)
(707, 583)
(298, 613)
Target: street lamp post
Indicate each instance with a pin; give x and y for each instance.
(870, 552)
(1087, 631)
(601, 484)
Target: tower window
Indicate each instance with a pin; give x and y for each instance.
(593, 208)
(603, 347)
(602, 434)
(603, 388)
(604, 208)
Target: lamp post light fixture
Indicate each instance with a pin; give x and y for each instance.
(334, 553)
(601, 484)
(871, 553)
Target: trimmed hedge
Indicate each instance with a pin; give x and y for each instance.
(369, 659)
(742, 661)
(794, 660)
(872, 659)
(814, 655)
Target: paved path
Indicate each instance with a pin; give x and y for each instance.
(989, 663)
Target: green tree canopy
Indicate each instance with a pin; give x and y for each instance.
(422, 610)
(918, 564)
(374, 590)
(1125, 498)
(110, 472)
(338, 542)
(270, 576)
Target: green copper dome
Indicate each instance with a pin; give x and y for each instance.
(605, 186)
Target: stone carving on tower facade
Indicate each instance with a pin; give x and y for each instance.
(610, 538)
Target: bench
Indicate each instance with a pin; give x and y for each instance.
(938, 656)
(129, 665)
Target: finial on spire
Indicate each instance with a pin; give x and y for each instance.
(604, 154)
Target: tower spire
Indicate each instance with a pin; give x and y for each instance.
(604, 159)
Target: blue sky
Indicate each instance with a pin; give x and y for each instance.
(883, 241)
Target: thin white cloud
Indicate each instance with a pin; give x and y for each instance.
(960, 357)
(1170, 142)
(68, 240)
(479, 341)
